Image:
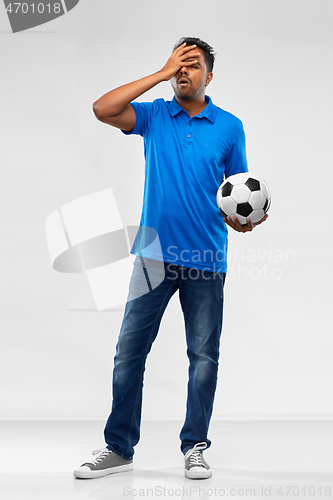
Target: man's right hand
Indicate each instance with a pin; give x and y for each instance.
(184, 55)
(114, 107)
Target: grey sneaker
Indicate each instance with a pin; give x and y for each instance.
(106, 462)
(196, 466)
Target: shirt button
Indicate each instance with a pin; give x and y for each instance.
(188, 135)
(190, 124)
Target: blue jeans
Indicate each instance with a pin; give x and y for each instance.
(201, 299)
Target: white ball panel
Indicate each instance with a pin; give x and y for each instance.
(257, 200)
(256, 215)
(264, 189)
(269, 204)
(219, 197)
(240, 193)
(238, 178)
(228, 205)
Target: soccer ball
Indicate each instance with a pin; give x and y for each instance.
(244, 196)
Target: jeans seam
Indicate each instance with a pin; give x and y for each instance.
(145, 356)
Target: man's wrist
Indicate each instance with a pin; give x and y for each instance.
(164, 77)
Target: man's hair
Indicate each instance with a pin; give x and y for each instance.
(207, 49)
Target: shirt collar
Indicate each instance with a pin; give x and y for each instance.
(208, 112)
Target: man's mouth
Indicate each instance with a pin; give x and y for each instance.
(183, 81)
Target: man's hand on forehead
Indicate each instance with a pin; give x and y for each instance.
(184, 55)
(191, 51)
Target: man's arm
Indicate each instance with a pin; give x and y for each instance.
(114, 107)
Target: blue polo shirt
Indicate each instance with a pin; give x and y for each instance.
(186, 160)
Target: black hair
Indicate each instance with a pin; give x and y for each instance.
(207, 49)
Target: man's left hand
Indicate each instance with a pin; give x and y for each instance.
(236, 225)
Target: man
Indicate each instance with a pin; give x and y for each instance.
(190, 146)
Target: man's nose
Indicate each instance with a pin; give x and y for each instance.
(183, 70)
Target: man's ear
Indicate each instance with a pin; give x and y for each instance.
(209, 78)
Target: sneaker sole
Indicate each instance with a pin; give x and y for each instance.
(198, 473)
(90, 474)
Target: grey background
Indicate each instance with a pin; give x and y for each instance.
(273, 70)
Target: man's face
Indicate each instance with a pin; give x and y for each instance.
(190, 81)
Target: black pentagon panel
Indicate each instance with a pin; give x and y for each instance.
(227, 188)
(244, 209)
(253, 184)
(265, 207)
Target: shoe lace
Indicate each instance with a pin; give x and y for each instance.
(104, 452)
(194, 454)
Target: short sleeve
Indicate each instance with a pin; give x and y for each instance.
(237, 161)
(144, 112)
